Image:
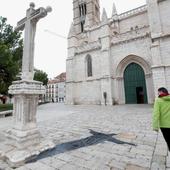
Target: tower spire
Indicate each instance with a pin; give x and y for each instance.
(72, 30)
(114, 11)
(104, 16)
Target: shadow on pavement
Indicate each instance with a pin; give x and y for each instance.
(95, 138)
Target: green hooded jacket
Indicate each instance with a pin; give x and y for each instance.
(161, 113)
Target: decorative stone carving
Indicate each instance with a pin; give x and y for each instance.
(88, 47)
(131, 35)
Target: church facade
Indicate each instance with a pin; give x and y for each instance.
(122, 59)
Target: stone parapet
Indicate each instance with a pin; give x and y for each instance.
(133, 12)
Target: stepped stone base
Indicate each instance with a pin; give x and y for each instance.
(23, 138)
(16, 157)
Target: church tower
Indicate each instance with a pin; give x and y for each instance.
(84, 9)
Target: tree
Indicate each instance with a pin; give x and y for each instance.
(11, 49)
(39, 75)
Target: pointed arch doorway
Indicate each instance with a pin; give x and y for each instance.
(135, 84)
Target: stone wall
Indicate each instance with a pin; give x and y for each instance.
(133, 22)
(87, 92)
(80, 66)
(165, 15)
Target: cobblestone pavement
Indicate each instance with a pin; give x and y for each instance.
(97, 138)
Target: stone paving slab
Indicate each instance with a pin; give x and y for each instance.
(97, 138)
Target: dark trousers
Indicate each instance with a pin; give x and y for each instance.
(166, 133)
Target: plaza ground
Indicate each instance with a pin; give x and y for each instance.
(116, 137)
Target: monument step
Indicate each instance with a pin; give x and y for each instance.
(6, 113)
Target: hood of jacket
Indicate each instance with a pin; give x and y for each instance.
(167, 98)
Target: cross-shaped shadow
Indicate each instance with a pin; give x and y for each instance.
(95, 138)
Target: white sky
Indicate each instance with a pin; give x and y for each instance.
(51, 50)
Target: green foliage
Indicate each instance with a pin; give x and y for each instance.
(4, 107)
(39, 75)
(11, 49)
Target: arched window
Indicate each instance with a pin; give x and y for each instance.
(82, 9)
(83, 12)
(89, 66)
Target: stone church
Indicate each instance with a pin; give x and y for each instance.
(121, 59)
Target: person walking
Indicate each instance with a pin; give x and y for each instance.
(161, 114)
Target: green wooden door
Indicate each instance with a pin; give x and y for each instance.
(134, 84)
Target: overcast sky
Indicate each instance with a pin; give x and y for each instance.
(51, 49)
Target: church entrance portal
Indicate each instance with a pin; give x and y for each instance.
(134, 84)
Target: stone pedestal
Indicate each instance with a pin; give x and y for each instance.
(26, 96)
(24, 139)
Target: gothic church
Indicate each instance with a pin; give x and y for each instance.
(122, 59)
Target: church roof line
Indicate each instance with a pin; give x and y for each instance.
(123, 15)
(132, 12)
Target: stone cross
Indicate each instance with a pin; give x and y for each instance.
(29, 23)
(24, 136)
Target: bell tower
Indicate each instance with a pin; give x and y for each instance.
(84, 9)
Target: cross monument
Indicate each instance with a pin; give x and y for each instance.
(23, 140)
(29, 23)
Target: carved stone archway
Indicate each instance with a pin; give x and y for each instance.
(119, 80)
